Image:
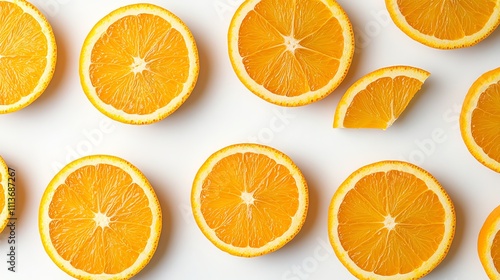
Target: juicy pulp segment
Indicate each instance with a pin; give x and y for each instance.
(90, 216)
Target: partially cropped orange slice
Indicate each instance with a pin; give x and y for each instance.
(379, 98)
(446, 24)
(488, 244)
(480, 119)
(249, 199)
(391, 220)
(99, 218)
(139, 64)
(27, 54)
(4, 194)
(291, 52)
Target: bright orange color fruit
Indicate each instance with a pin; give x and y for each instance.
(446, 24)
(4, 194)
(391, 220)
(291, 52)
(27, 54)
(99, 218)
(139, 64)
(249, 199)
(488, 244)
(379, 98)
(480, 119)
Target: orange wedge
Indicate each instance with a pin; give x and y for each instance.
(99, 218)
(480, 119)
(378, 99)
(139, 64)
(27, 54)
(249, 199)
(291, 52)
(488, 244)
(4, 194)
(445, 24)
(391, 220)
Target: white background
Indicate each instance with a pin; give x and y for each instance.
(62, 125)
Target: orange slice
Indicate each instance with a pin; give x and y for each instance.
(378, 99)
(480, 119)
(291, 52)
(99, 218)
(139, 64)
(4, 194)
(488, 244)
(249, 199)
(391, 220)
(445, 24)
(27, 54)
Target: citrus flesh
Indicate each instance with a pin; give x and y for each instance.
(480, 119)
(391, 220)
(4, 194)
(99, 218)
(27, 54)
(291, 53)
(445, 24)
(249, 199)
(488, 244)
(139, 64)
(377, 99)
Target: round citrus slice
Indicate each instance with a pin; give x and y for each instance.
(291, 53)
(249, 199)
(480, 119)
(27, 54)
(139, 64)
(378, 99)
(488, 244)
(99, 218)
(4, 194)
(445, 24)
(391, 220)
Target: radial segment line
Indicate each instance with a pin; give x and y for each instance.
(122, 240)
(411, 204)
(364, 242)
(408, 245)
(486, 112)
(368, 202)
(265, 19)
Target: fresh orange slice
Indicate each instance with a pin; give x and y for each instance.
(99, 218)
(391, 220)
(249, 199)
(378, 99)
(291, 52)
(4, 194)
(445, 24)
(488, 244)
(27, 54)
(139, 64)
(480, 119)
